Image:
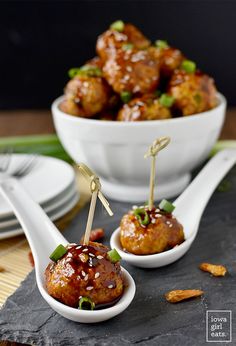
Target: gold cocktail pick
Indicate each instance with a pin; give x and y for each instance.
(157, 145)
(95, 188)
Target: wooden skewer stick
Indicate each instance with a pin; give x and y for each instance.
(95, 188)
(153, 150)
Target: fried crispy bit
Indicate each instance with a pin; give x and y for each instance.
(179, 295)
(214, 269)
(95, 235)
(31, 258)
(2, 269)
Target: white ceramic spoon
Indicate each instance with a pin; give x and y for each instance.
(189, 208)
(43, 238)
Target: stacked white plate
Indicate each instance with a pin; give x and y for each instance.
(51, 183)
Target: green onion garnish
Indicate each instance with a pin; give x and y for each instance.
(86, 303)
(161, 44)
(58, 253)
(166, 206)
(86, 70)
(166, 100)
(197, 98)
(113, 256)
(118, 25)
(127, 46)
(188, 66)
(73, 72)
(92, 71)
(126, 96)
(142, 216)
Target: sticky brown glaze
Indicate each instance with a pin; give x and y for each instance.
(86, 96)
(146, 107)
(162, 233)
(193, 92)
(170, 59)
(132, 70)
(112, 40)
(84, 271)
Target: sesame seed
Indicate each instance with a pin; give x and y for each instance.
(129, 68)
(85, 250)
(78, 277)
(91, 254)
(153, 221)
(170, 225)
(158, 215)
(83, 273)
(168, 222)
(110, 286)
(86, 277)
(100, 257)
(157, 210)
(97, 275)
(78, 247)
(143, 226)
(89, 288)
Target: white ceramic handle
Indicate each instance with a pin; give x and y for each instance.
(41, 233)
(194, 199)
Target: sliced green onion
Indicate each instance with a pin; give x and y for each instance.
(188, 66)
(166, 206)
(92, 71)
(224, 186)
(126, 96)
(73, 72)
(114, 256)
(58, 253)
(85, 303)
(86, 70)
(166, 100)
(142, 216)
(161, 44)
(197, 98)
(127, 46)
(118, 25)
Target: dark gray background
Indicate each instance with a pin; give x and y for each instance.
(41, 40)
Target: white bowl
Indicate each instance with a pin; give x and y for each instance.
(115, 150)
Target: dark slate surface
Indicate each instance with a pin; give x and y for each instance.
(149, 320)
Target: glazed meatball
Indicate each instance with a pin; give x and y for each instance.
(161, 233)
(85, 271)
(96, 62)
(193, 92)
(112, 40)
(147, 107)
(132, 70)
(85, 96)
(170, 59)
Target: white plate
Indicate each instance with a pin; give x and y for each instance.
(49, 207)
(54, 215)
(48, 179)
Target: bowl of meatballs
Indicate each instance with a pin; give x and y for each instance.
(130, 93)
